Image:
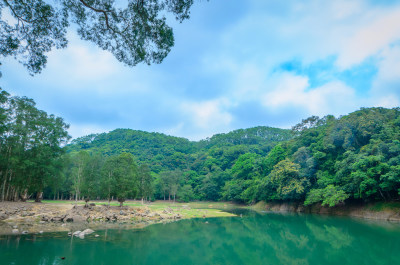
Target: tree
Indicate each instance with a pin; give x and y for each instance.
(91, 177)
(286, 179)
(331, 195)
(125, 172)
(30, 148)
(108, 180)
(144, 182)
(80, 161)
(135, 33)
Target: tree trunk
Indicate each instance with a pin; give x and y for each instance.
(24, 196)
(4, 188)
(39, 196)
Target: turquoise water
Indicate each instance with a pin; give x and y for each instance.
(254, 239)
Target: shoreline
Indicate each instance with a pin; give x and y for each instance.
(63, 216)
(382, 211)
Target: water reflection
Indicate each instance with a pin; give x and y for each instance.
(254, 239)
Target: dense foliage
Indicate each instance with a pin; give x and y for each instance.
(30, 148)
(329, 160)
(133, 31)
(175, 167)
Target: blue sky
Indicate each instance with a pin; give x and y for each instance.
(235, 64)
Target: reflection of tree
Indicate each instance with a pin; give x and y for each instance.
(255, 239)
(334, 236)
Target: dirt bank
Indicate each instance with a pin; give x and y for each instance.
(19, 217)
(29, 217)
(376, 211)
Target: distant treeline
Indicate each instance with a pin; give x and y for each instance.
(327, 160)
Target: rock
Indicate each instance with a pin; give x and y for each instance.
(69, 233)
(168, 210)
(74, 218)
(177, 216)
(68, 219)
(96, 235)
(88, 231)
(76, 233)
(63, 225)
(84, 233)
(42, 222)
(24, 232)
(92, 204)
(45, 218)
(15, 226)
(57, 219)
(15, 231)
(122, 213)
(40, 232)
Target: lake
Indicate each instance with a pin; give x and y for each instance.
(256, 238)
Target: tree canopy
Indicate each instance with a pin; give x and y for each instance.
(134, 31)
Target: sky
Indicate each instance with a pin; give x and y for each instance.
(235, 64)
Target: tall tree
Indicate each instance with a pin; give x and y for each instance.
(144, 182)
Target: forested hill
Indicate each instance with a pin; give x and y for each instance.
(139, 143)
(260, 135)
(164, 152)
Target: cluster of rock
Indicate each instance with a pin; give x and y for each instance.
(109, 214)
(22, 218)
(8, 211)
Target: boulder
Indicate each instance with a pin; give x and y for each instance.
(3, 216)
(84, 233)
(74, 218)
(15, 231)
(57, 219)
(45, 218)
(76, 233)
(88, 231)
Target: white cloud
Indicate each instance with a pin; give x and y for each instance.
(84, 61)
(385, 91)
(370, 39)
(78, 130)
(293, 91)
(207, 115)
